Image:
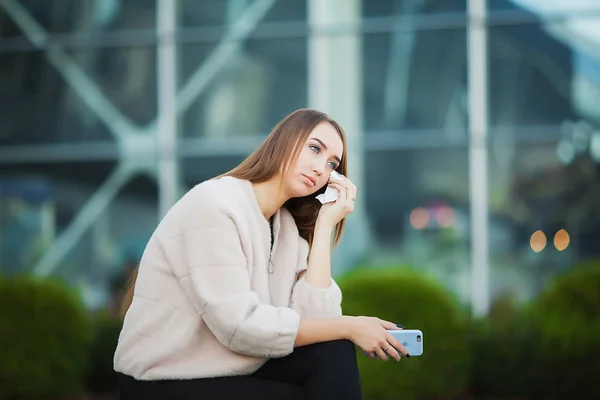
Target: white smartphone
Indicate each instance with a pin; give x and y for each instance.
(411, 339)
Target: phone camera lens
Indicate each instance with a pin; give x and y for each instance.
(418, 338)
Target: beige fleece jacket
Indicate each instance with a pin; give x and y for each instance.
(205, 304)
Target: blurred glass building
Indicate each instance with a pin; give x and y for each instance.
(474, 127)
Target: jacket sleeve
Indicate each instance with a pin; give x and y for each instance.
(310, 301)
(219, 273)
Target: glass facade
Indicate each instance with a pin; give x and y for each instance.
(79, 151)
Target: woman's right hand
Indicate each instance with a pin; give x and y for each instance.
(371, 335)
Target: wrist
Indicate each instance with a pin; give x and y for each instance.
(323, 226)
(347, 327)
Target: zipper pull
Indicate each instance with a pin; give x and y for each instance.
(271, 266)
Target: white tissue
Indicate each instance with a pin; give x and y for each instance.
(330, 194)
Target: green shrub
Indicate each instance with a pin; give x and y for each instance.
(44, 337)
(101, 377)
(568, 312)
(547, 349)
(506, 352)
(417, 302)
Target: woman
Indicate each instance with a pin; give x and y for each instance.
(234, 295)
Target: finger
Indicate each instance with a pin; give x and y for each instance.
(397, 345)
(342, 191)
(352, 193)
(338, 185)
(392, 352)
(351, 189)
(390, 325)
(371, 355)
(381, 353)
(340, 182)
(337, 176)
(348, 184)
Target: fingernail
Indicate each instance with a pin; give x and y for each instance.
(400, 326)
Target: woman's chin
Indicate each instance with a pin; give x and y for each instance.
(304, 192)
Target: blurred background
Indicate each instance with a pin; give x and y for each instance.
(474, 131)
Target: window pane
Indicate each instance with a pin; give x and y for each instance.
(213, 13)
(544, 7)
(126, 76)
(200, 169)
(44, 107)
(536, 193)
(404, 85)
(107, 253)
(386, 8)
(86, 16)
(417, 204)
(251, 91)
(543, 75)
(7, 27)
(40, 203)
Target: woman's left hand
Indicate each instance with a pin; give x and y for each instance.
(332, 213)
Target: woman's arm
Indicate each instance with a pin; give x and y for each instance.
(318, 272)
(316, 294)
(316, 330)
(369, 333)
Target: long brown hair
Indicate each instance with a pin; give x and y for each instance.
(273, 157)
(278, 152)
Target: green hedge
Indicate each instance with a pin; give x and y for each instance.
(506, 352)
(547, 349)
(419, 302)
(101, 378)
(568, 313)
(44, 337)
(50, 348)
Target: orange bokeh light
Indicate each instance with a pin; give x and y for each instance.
(419, 218)
(538, 241)
(561, 240)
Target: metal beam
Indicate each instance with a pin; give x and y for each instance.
(166, 134)
(298, 29)
(58, 152)
(216, 60)
(228, 46)
(90, 211)
(396, 91)
(335, 87)
(406, 139)
(478, 155)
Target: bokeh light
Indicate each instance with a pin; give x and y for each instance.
(445, 216)
(538, 241)
(419, 218)
(561, 240)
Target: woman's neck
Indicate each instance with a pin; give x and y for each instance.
(270, 197)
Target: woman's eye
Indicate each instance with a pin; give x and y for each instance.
(332, 165)
(315, 148)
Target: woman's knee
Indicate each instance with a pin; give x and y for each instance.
(335, 371)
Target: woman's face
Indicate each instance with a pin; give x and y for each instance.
(320, 154)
